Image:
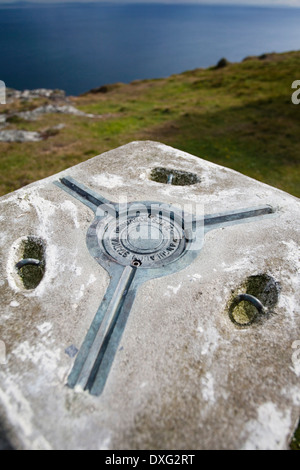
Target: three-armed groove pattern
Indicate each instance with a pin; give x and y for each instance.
(135, 246)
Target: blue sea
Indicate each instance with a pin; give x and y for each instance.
(80, 46)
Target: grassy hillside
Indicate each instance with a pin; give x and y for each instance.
(240, 116)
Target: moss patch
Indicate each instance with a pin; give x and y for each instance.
(265, 288)
(32, 275)
(243, 313)
(173, 176)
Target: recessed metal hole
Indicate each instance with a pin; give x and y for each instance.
(31, 268)
(173, 176)
(254, 300)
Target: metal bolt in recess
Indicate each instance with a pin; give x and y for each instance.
(259, 309)
(134, 248)
(28, 262)
(252, 300)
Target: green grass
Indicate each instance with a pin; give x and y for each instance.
(295, 444)
(240, 116)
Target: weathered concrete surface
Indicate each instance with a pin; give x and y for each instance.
(185, 376)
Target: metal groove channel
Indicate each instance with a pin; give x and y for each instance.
(232, 216)
(97, 348)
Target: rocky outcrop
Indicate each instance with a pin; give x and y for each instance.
(13, 116)
(55, 95)
(2, 120)
(51, 109)
(222, 63)
(20, 136)
(104, 88)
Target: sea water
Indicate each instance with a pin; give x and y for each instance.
(80, 46)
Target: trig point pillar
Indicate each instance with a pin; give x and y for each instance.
(149, 300)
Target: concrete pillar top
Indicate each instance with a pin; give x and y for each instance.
(195, 346)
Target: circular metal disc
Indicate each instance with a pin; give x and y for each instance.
(142, 240)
